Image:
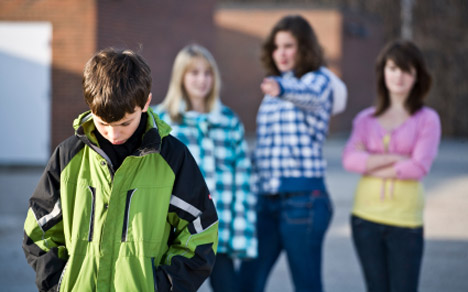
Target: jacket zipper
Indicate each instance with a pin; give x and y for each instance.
(61, 276)
(155, 283)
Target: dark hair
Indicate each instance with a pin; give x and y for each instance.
(406, 56)
(115, 82)
(310, 54)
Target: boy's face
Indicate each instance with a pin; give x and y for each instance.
(120, 131)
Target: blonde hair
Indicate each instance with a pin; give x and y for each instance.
(176, 92)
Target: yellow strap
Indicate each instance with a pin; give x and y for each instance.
(386, 141)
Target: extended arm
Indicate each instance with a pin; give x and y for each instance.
(310, 92)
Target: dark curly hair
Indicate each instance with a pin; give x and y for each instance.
(310, 54)
(406, 56)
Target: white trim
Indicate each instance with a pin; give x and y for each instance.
(46, 218)
(179, 203)
(197, 225)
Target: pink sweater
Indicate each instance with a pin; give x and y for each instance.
(418, 137)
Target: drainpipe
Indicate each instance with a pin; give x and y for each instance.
(407, 19)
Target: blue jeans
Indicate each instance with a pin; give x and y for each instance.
(390, 256)
(224, 278)
(296, 223)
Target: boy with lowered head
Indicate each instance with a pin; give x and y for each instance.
(121, 205)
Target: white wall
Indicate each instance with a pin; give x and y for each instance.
(25, 92)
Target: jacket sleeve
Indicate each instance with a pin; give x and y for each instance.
(354, 154)
(424, 151)
(340, 92)
(192, 215)
(43, 242)
(244, 240)
(311, 92)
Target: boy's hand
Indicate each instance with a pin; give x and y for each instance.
(270, 86)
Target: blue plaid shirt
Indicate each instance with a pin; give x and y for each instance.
(291, 130)
(216, 140)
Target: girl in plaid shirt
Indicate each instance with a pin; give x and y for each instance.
(215, 137)
(294, 209)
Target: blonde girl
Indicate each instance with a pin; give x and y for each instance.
(215, 137)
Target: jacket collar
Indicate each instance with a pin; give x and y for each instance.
(156, 129)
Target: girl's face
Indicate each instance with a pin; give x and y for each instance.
(398, 82)
(285, 51)
(198, 79)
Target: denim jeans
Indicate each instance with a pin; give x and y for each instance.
(295, 223)
(224, 278)
(390, 256)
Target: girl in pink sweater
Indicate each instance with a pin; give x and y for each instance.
(392, 145)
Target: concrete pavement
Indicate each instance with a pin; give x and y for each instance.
(445, 264)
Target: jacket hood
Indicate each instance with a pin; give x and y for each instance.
(84, 127)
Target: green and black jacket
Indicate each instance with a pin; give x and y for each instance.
(149, 226)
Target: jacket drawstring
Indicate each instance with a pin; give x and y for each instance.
(386, 142)
(382, 189)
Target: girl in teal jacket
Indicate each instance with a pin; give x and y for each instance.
(215, 136)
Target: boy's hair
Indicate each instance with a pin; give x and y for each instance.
(115, 82)
(176, 91)
(406, 56)
(309, 56)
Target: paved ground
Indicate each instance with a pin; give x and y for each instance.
(445, 265)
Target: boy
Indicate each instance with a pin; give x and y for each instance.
(121, 205)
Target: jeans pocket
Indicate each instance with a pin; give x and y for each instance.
(297, 209)
(322, 212)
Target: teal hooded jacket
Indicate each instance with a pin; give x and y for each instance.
(148, 226)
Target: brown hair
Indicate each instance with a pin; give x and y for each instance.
(310, 54)
(406, 56)
(115, 82)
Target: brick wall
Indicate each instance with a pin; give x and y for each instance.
(73, 40)
(157, 28)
